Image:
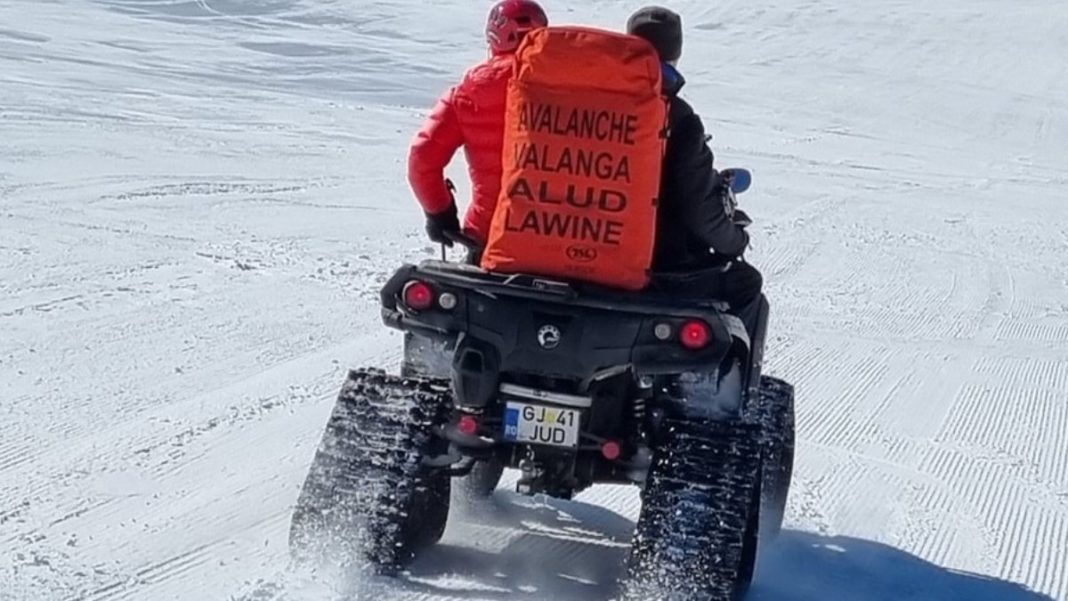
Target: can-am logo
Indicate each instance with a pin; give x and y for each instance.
(581, 254)
(549, 337)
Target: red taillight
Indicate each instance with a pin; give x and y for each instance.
(695, 335)
(418, 296)
(468, 425)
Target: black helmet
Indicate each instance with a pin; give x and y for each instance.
(661, 27)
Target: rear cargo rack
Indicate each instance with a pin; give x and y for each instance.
(540, 288)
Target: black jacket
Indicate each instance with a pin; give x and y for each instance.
(692, 217)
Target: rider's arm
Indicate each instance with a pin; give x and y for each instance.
(693, 180)
(431, 151)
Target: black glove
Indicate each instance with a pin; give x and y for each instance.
(438, 224)
(741, 219)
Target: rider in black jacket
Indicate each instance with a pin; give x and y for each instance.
(698, 229)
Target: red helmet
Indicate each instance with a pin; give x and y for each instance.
(509, 21)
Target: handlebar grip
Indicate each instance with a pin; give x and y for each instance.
(463, 240)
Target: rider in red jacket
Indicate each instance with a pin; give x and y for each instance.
(471, 115)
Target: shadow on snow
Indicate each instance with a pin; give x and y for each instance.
(567, 551)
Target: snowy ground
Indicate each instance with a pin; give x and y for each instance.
(199, 199)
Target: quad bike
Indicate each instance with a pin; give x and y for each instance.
(571, 385)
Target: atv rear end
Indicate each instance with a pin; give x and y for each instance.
(572, 386)
(543, 369)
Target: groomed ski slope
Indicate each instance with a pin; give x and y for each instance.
(200, 199)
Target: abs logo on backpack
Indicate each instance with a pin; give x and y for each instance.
(581, 254)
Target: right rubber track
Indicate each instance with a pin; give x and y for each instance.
(695, 536)
(776, 414)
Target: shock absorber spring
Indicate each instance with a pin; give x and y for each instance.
(639, 411)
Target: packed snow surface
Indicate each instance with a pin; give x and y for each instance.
(200, 198)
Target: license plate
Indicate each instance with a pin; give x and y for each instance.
(540, 424)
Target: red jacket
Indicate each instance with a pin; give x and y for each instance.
(471, 115)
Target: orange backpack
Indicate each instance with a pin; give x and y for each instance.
(583, 144)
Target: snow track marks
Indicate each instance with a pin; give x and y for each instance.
(200, 200)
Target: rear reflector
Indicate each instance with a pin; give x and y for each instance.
(468, 425)
(611, 450)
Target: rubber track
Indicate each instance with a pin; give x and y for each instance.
(776, 415)
(688, 543)
(355, 498)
